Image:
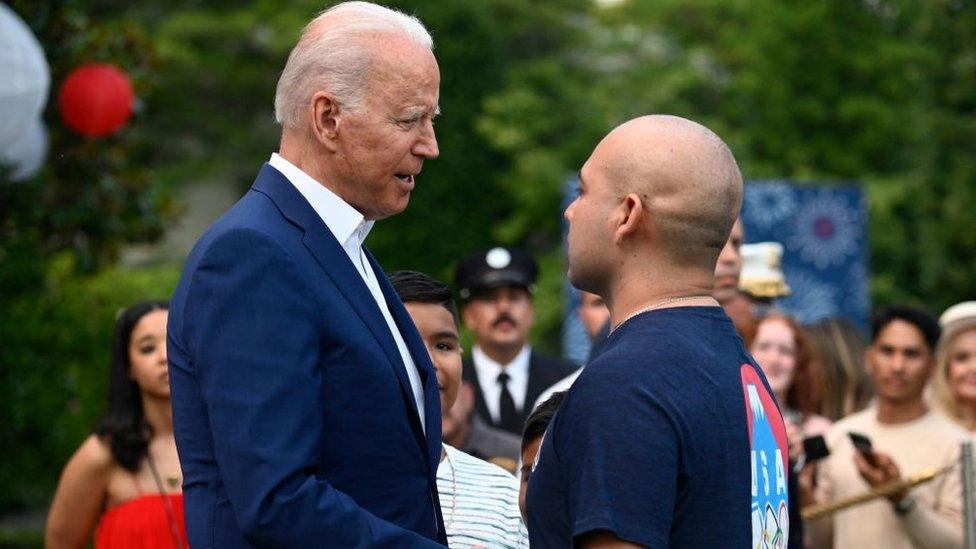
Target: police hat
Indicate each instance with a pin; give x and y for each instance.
(497, 267)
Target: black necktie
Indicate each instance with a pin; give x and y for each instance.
(508, 417)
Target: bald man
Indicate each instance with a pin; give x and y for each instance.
(670, 437)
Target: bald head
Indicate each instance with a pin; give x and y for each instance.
(685, 177)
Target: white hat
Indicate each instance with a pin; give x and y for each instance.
(957, 318)
(761, 273)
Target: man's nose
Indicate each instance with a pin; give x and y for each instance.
(426, 145)
(568, 214)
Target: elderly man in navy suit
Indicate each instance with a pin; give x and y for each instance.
(305, 406)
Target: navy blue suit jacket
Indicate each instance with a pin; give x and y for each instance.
(293, 414)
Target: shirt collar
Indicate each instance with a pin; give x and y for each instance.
(517, 366)
(345, 222)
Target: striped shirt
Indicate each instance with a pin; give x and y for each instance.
(479, 502)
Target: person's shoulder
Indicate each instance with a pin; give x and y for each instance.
(470, 467)
(557, 366)
(245, 245)
(94, 456)
(857, 419)
(563, 384)
(634, 357)
(949, 428)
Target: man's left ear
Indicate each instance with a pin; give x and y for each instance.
(325, 115)
(631, 214)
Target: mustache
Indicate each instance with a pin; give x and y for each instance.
(503, 318)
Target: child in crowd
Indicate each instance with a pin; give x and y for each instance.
(479, 500)
(535, 429)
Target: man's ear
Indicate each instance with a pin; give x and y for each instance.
(325, 118)
(631, 214)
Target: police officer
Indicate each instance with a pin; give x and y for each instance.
(506, 374)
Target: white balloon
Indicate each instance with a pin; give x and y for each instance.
(26, 154)
(25, 78)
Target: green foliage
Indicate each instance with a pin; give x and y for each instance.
(56, 356)
(59, 231)
(94, 195)
(21, 538)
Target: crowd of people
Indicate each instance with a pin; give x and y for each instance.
(292, 394)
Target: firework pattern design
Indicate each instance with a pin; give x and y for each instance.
(823, 230)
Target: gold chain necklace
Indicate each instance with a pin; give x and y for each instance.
(664, 303)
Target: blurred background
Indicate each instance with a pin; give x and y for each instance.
(871, 97)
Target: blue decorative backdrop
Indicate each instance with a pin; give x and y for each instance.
(823, 230)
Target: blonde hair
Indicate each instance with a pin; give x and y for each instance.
(942, 394)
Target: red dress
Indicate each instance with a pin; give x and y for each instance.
(143, 522)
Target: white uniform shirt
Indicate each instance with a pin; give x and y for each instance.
(350, 228)
(488, 370)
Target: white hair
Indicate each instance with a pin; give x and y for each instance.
(332, 56)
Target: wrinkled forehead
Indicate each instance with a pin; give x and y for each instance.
(399, 55)
(409, 77)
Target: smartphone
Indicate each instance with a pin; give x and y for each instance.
(815, 448)
(861, 442)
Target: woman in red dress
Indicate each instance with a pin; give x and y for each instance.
(122, 485)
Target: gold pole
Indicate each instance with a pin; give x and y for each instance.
(813, 512)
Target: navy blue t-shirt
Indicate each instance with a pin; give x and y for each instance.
(669, 438)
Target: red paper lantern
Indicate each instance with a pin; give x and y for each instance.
(96, 100)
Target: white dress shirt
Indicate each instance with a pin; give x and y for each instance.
(350, 228)
(488, 370)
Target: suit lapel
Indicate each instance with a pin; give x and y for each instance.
(408, 330)
(334, 261)
(470, 374)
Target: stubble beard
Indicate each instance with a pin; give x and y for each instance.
(586, 278)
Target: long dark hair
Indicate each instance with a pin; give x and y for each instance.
(124, 426)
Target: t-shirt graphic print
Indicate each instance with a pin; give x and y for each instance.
(768, 456)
